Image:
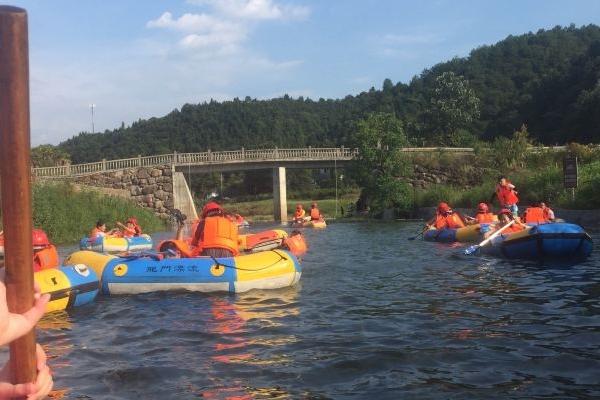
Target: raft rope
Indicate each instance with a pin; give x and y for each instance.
(217, 263)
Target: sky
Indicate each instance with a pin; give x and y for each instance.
(140, 59)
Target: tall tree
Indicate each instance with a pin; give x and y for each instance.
(381, 165)
(453, 106)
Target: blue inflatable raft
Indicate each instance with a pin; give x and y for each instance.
(149, 273)
(111, 244)
(68, 286)
(550, 241)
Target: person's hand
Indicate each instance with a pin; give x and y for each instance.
(13, 326)
(34, 390)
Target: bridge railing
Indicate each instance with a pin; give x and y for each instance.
(223, 157)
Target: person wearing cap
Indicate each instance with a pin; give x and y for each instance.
(216, 235)
(446, 218)
(300, 213)
(315, 214)
(483, 215)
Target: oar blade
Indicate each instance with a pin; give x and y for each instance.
(471, 249)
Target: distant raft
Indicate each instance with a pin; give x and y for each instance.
(550, 241)
(320, 224)
(68, 286)
(111, 244)
(272, 269)
(469, 233)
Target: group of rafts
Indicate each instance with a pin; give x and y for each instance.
(124, 263)
(535, 235)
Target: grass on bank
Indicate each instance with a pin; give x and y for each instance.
(67, 214)
(534, 184)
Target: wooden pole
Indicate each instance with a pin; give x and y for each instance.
(15, 171)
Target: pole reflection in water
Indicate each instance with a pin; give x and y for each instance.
(233, 320)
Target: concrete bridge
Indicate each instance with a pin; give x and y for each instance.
(278, 160)
(173, 165)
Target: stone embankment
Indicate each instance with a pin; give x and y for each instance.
(424, 177)
(150, 187)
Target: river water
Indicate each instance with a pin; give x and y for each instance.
(375, 316)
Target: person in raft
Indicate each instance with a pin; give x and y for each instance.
(100, 230)
(446, 218)
(300, 213)
(216, 235)
(538, 214)
(315, 214)
(483, 215)
(548, 212)
(131, 227)
(13, 326)
(507, 195)
(504, 217)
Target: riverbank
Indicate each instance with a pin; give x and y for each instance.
(68, 213)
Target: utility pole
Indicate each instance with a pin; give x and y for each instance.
(92, 106)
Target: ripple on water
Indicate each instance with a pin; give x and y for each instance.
(375, 316)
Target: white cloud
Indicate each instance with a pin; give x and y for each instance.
(255, 9)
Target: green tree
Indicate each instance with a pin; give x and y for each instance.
(381, 165)
(453, 106)
(47, 155)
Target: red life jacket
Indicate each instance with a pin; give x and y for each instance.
(506, 195)
(535, 215)
(296, 244)
(485, 218)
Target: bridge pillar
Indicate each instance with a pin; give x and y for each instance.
(279, 195)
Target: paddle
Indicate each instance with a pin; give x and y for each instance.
(472, 249)
(427, 224)
(420, 234)
(16, 191)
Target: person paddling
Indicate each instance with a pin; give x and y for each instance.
(446, 218)
(504, 217)
(300, 213)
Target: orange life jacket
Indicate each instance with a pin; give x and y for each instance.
(535, 215)
(299, 213)
(296, 244)
(451, 221)
(45, 258)
(484, 218)
(315, 214)
(506, 196)
(220, 233)
(513, 229)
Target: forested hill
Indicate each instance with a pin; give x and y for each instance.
(548, 80)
